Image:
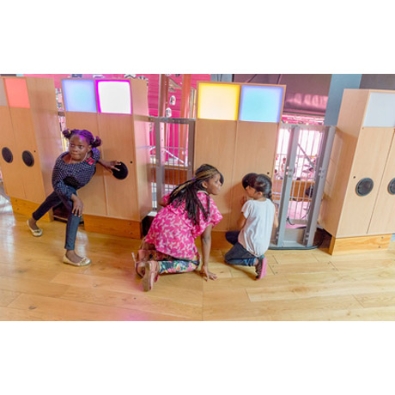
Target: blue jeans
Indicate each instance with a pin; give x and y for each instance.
(73, 221)
(238, 255)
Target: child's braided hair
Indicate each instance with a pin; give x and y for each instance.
(187, 192)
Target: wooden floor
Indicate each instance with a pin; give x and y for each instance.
(308, 285)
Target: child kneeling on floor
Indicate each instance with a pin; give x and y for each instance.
(188, 212)
(256, 221)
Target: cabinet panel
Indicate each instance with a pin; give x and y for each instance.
(215, 144)
(369, 162)
(12, 183)
(117, 133)
(383, 219)
(255, 153)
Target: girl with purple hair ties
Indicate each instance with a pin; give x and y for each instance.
(73, 169)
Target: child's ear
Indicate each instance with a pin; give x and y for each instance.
(204, 184)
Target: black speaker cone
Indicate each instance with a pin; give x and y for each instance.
(7, 155)
(364, 187)
(122, 173)
(28, 158)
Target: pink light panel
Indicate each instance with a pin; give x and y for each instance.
(16, 89)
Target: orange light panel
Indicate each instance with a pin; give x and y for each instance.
(17, 94)
(218, 101)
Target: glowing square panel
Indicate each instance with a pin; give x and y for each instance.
(218, 101)
(114, 97)
(16, 89)
(380, 111)
(3, 98)
(79, 95)
(261, 103)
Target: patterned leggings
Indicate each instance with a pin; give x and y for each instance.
(167, 263)
(177, 266)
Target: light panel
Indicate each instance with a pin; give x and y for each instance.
(114, 97)
(261, 103)
(79, 95)
(16, 89)
(380, 111)
(218, 101)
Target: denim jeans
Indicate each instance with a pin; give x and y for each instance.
(238, 255)
(73, 221)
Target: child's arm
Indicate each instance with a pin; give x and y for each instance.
(241, 221)
(206, 248)
(275, 222)
(109, 165)
(164, 201)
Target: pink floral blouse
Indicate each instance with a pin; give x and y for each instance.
(174, 234)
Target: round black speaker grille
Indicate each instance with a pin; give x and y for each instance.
(122, 173)
(364, 187)
(7, 155)
(391, 187)
(28, 158)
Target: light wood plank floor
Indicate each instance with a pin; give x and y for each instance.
(308, 285)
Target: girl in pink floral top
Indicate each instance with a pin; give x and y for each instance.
(188, 212)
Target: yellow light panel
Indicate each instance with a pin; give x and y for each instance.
(218, 101)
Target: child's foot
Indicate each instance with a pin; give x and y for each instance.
(260, 268)
(36, 231)
(72, 258)
(139, 265)
(151, 275)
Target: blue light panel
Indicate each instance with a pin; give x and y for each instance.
(79, 95)
(261, 103)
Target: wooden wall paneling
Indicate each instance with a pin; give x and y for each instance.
(10, 171)
(82, 120)
(352, 110)
(139, 95)
(121, 195)
(45, 119)
(383, 218)
(215, 143)
(30, 176)
(255, 152)
(336, 181)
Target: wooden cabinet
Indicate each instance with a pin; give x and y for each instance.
(29, 129)
(356, 200)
